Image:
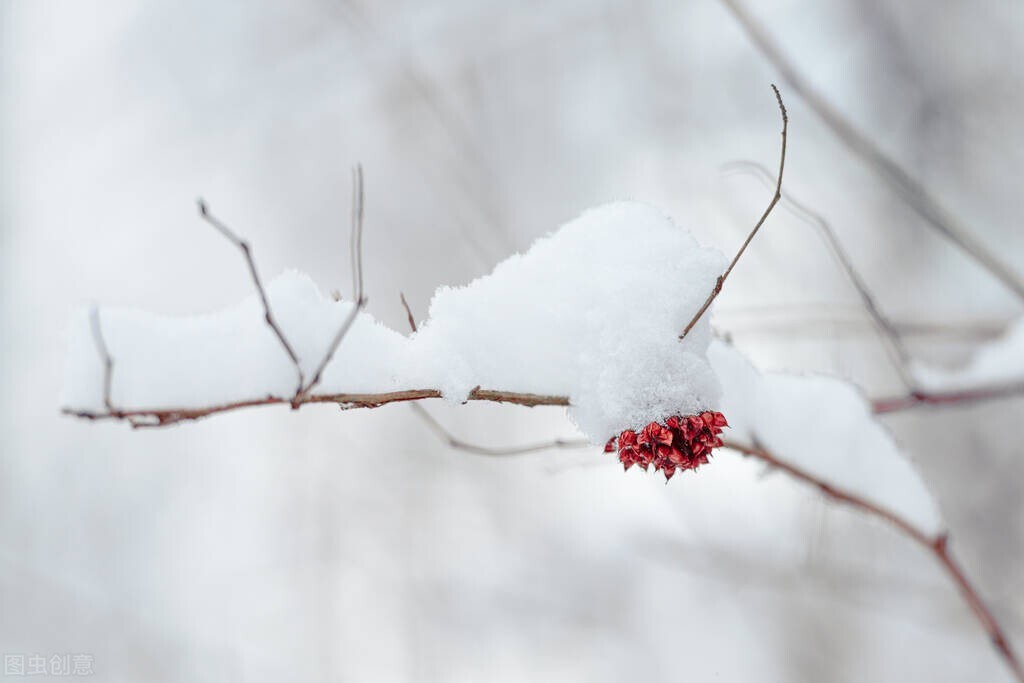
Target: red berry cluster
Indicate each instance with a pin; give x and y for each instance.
(682, 443)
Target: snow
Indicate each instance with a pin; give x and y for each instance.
(208, 360)
(825, 427)
(591, 312)
(998, 363)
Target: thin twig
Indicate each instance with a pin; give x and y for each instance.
(356, 238)
(461, 445)
(938, 546)
(887, 328)
(898, 353)
(104, 352)
(913, 193)
(775, 200)
(356, 257)
(920, 399)
(267, 313)
(408, 311)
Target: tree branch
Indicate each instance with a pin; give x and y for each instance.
(938, 546)
(267, 313)
(408, 311)
(162, 417)
(461, 445)
(910, 190)
(356, 257)
(775, 200)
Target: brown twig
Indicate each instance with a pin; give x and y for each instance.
(461, 445)
(267, 313)
(161, 417)
(775, 200)
(938, 546)
(898, 353)
(913, 193)
(408, 311)
(356, 258)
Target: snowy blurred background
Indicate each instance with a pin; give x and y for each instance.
(272, 545)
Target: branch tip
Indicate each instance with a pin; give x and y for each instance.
(716, 290)
(268, 314)
(408, 311)
(359, 297)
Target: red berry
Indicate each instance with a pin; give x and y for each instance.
(681, 443)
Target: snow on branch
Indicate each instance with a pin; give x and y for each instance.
(824, 426)
(936, 545)
(998, 364)
(585, 318)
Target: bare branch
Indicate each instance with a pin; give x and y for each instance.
(913, 193)
(775, 200)
(408, 311)
(108, 362)
(461, 445)
(162, 417)
(267, 313)
(938, 546)
(898, 352)
(356, 257)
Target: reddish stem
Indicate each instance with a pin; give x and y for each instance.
(937, 546)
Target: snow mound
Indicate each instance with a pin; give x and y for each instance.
(592, 312)
(825, 427)
(1000, 362)
(214, 359)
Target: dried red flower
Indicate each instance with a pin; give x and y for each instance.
(681, 443)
